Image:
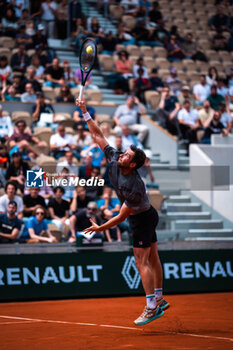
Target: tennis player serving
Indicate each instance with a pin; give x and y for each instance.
(143, 218)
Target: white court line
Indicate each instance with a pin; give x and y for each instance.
(22, 322)
(112, 326)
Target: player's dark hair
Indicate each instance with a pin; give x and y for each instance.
(11, 183)
(139, 156)
(59, 188)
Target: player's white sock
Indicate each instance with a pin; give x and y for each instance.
(158, 293)
(150, 301)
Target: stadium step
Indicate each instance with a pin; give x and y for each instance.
(198, 224)
(184, 207)
(189, 215)
(225, 232)
(179, 199)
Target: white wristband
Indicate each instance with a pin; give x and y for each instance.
(86, 116)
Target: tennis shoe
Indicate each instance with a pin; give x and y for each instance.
(149, 315)
(163, 304)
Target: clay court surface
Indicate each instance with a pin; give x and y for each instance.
(197, 321)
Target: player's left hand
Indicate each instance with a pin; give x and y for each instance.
(93, 228)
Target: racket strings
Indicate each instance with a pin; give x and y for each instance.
(87, 59)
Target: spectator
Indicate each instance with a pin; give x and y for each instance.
(68, 187)
(38, 68)
(78, 80)
(129, 139)
(68, 74)
(146, 171)
(97, 154)
(94, 29)
(17, 171)
(124, 36)
(222, 88)
(160, 34)
(32, 201)
(213, 126)
(18, 6)
(62, 19)
(214, 98)
(30, 78)
(45, 59)
(39, 39)
(189, 122)
(173, 82)
(23, 38)
(58, 209)
(167, 111)
(61, 142)
(114, 232)
(191, 50)
(10, 195)
(219, 41)
(141, 34)
(205, 112)
(10, 225)
(201, 91)
(5, 69)
(35, 11)
(49, 8)
(80, 33)
(9, 94)
(43, 113)
(118, 142)
(129, 6)
(22, 141)
(35, 226)
(68, 163)
(65, 95)
(81, 220)
(108, 43)
(6, 126)
(127, 114)
(78, 116)
(140, 64)
(124, 71)
(155, 81)
(219, 20)
(29, 95)
(212, 76)
(106, 130)
(94, 191)
(86, 169)
(140, 86)
(54, 74)
(175, 53)
(82, 138)
(20, 60)
(9, 23)
(186, 95)
(155, 14)
(225, 119)
(17, 84)
(80, 199)
(75, 10)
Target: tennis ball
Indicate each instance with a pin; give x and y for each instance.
(85, 68)
(89, 49)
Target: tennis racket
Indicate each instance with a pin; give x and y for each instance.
(87, 57)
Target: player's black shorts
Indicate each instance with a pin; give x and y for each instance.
(143, 227)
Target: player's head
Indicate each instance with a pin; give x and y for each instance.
(132, 158)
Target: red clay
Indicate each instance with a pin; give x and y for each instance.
(198, 321)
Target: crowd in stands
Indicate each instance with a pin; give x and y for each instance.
(194, 100)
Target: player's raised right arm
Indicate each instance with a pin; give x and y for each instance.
(92, 126)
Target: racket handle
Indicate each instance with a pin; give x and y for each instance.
(81, 93)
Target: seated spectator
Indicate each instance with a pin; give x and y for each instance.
(22, 141)
(129, 139)
(160, 34)
(78, 115)
(140, 86)
(80, 199)
(58, 209)
(219, 20)
(62, 14)
(191, 49)
(127, 114)
(68, 163)
(146, 171)
(174, 51)
(4, 157)
(141, 34)
(118, 143)
(129, 6)
(29, 95)
(80, 33)
(124, 35)
(17, 171)
(222, 88)
(166, 112)
(68, 187)
(65, 95)
(94, 191)
(205, 112)
(31, 78)
(184, 95)
(97, 154)
(20, 60)
(140, 64)
(88, 83)
(9, 94)
(23, 38)
(17, 84)
(86, 169)
(189, 122)
(43, 113)
(54, 74)
(6, 126)
(10, 225)
(75, 11)
(213, 126)
(155, 14)
(10, 195)
(201, 91)
(39, 39)
(49, 8)
(82, 137)
(35, 226)
(226, 118)
(9, 23)
(114, 232)
(81, 220)
(124, 70)
(155, 81)
(61, 142)
(212, 76)
(5, 69)
(94, 29)
(109, 43)
(174, 30)
(106, 130)
(173, 82)
(45, 59)
(68, 74)
(32, 201)
(38, 68)
(215, 98)
(219, 41)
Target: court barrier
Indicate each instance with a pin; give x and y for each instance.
(90, 274)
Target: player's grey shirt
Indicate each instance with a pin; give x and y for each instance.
(129, 189)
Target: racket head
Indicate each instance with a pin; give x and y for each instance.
(86, 59)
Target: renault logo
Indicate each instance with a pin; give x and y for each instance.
(130, 273)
